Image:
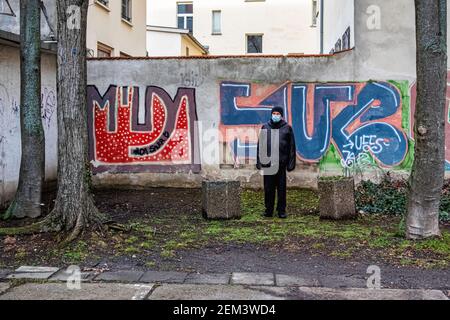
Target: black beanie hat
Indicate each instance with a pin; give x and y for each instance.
(278, 109)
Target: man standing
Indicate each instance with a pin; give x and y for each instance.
(276, 154)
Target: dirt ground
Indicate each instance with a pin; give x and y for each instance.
(169, 233)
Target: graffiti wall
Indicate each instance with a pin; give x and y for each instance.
(159, 137)
(334, 123)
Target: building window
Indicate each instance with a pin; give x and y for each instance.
(103, 2)
(104, 51)
(187, 51)
(126, 10)
(346, 39)
(216, 22)
(185, 16)
(254, 43)
(315, 13)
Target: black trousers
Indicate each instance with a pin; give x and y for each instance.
(275, 184)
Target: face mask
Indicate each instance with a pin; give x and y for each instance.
(276, 118)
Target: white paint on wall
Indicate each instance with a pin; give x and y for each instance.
(10, 145)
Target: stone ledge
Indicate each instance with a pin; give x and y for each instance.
(120, 276)
(33, 273)
(163, 277)
(255, 279)
(208, 278)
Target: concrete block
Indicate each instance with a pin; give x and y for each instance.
(337, 198)
(221, 199)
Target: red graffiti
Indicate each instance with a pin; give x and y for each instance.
(125, 146)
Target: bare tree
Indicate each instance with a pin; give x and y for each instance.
(27, 201)
(74, 208)
(428, 170)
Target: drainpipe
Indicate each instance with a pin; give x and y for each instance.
(322, 5)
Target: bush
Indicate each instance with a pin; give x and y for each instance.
(390, 196)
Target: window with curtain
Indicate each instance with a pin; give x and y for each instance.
(216, 22)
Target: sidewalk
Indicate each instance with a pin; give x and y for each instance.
(44, 283)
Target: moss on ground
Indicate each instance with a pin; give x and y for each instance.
(369, 236)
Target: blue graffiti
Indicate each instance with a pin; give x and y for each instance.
(369, 109)
(243, 150)
(232, 114)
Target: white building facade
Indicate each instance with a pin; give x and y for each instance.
(239, 27)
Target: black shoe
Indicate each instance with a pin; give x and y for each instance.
(282, 215)
(267, 215)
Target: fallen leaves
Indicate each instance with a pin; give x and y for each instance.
(9, 241)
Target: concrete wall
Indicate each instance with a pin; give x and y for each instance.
(143, 113)
(285, 24)
(105, 25)
(351, 109)
(10, 147)
(338, 25)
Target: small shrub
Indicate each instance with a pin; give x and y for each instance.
(390, 196)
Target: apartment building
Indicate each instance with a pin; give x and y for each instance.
(116, 28)
(236, 27)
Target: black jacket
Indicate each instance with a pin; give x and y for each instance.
(287, 147)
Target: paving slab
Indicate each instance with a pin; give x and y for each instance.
(163, 277)
(337, 282)
(88, 291)
(257, 279)
(4, 273)
(367, 294)
(29, 269)
(282, 280)
(33, 273)
(217, 292)
(209, 278)
(3, 287)
(64, 276)
(120, 276)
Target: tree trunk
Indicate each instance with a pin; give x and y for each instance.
(74, 208)
(428, 170)
(27, 201)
